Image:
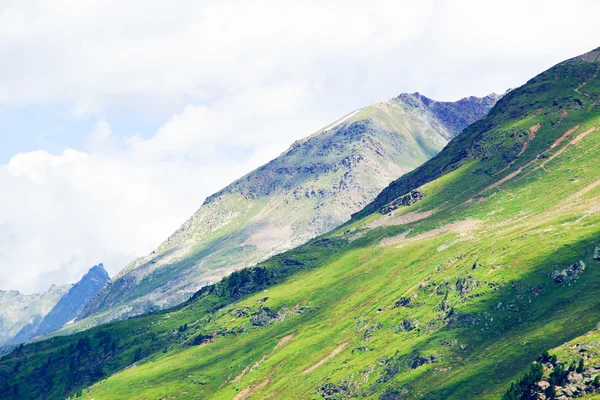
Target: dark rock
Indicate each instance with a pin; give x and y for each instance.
(403, 201)
(570, 273)
(418, 361)
(405, 301)
(407, 325)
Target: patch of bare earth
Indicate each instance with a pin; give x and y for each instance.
(563, 137)
(281, 342)
(249, 391)
(576, 140)
(335, 352)
(249, 368)
(496, 268)
(569, 200)
(460, 227)
(407, 218)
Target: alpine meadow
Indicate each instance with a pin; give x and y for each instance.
(472, 276)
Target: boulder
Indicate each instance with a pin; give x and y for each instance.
(543, 385)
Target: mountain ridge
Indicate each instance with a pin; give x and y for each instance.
(317, 180)
(42, 313)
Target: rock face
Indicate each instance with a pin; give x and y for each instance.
(311, 188)
(25, 316)
(24, 313)
(71, 304)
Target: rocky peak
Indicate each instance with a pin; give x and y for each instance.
(454, 116)
(96, 273)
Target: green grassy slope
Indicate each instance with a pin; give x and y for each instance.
(449, 296)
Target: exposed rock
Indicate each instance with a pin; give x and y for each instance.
(405, 301)
(407, 325)
(597, 253)
(570, 273)
(403, 201)
(465, 284)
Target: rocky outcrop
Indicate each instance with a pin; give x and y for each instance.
(403, 201)
(556, 380)
(569, 274)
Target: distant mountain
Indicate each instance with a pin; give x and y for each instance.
(25, 316)
(71, 304)
(310, 189)
(25, 312)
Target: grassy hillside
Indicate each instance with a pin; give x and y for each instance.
(310, 189)
(448, 286)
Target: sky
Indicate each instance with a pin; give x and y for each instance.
(118, 118)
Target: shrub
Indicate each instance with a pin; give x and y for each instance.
(580, 366)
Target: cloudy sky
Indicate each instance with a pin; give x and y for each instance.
(117, 118)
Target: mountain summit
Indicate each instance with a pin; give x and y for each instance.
(310, 189)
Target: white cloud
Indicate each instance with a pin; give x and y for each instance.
(234, 83)
(64, 213)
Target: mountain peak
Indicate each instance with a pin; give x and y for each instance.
(98, 269)
(71, 304)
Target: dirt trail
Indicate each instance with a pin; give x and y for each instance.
(581, 85)
(281, 342)
(569, 200)
(563, 137)
(249, 391)
(576, 140)
(532, 132)
(556, 143)
(335, 352)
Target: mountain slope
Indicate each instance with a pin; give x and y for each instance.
(469, 274)
(70, 305)
(24, 316)
(25, 312)
(310, 189)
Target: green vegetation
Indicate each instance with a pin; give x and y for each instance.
(453, 296)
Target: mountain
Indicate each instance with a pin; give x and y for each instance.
(449, 285)
(70, 305)
(21, 312)
(25, 316)
(310, 189)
